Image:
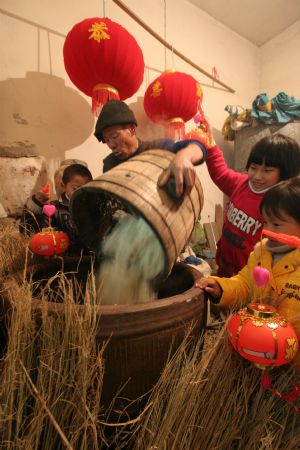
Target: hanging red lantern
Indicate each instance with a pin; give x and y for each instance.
(262, 336)
(103, 60)
(172, 99)
(49, 242)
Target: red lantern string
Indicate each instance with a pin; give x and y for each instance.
(266, 383)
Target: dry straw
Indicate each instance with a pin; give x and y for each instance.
(51, 375)
(12, 250)
(216, 402)
(14, 253)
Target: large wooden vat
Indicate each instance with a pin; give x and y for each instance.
(134, 183)
(140, 337)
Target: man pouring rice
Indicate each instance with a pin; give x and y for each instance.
(116, 126)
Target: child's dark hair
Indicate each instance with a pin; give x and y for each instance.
(73, 170)
(279, 151)
(283, 197)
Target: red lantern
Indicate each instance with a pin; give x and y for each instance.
(49, 242)
(262, 336)
(103, 60)
(172, 99)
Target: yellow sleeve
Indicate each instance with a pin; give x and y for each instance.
(237, 289)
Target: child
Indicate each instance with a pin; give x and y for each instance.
(281, 214)
(33, 219)
(272, 159)
(58, 185)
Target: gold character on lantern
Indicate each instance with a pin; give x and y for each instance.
(98, 31)
(156, 89)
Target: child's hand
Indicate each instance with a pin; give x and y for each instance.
(210, 286)
(42, 197)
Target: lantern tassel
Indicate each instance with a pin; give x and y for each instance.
(266, 383)
(175, 129)
(102, 93)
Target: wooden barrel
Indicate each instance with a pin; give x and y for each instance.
(140, 337)
(134, 183)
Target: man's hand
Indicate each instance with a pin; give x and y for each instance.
(183, 170)
(209, 285)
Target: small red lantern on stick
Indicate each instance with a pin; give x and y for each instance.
(172, 99)
(103, 60)
(49, 241)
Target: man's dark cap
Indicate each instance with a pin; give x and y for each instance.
(114, 112)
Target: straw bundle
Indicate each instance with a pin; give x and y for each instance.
(217, 403)
(51, 377)
(14, 254)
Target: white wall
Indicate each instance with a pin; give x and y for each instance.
(280, 63)
(42, 106)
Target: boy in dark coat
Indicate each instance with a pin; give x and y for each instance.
(33, 219)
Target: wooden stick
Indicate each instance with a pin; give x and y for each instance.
(50, 415)
(169, 46)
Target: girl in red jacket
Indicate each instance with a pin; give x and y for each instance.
(272, 159)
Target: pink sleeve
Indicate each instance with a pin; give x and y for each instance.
(225, 178)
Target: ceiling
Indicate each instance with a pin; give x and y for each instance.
(256, 20)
